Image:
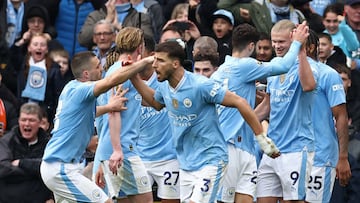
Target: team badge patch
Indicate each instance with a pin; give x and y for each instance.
(138, 97)
(96, 194)
(282, 78)
(187, 103)
(231, 191)
(144, 180)
(36, 79)
(175, 103)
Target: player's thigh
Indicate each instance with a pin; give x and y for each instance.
(201, 185)
(240, 175)
(67, 183)
(131, 178)
(321, 184)
(268, 182)
(166, 175)
(294, 170)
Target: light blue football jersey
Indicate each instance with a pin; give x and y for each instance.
(330, 94)
(99, 124)
(239, 75)
(155, 142)
(194, 121)
(290, 124)
(130, 123)
(73, 123)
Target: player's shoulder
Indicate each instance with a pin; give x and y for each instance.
(112, 68)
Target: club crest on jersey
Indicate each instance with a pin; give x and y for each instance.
(282, 78)
(175, 103)
(138, 97)
(187, 103)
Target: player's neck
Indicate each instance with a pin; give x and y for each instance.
(146, 73)
(126, 57)
(176, 77)
(240, 54)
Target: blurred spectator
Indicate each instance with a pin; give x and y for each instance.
(20, 158)
(7, 69)
(205, 44)
(352, 17)
(62, 76)
(345, 74)
(168, 6)
(328, 53)
(36, 82)
(223, 23)
(199, 12)
(44, 123)
(180, 12)
(121, 14)
(253, 12)
(171, 33)
(187, 28)
(53, 6)
(104, 39)
(318, 6)
(313, 19)
(263, 49)
(280, 10)
(70, 18)
(8, 109)
(11, 18)
(186, 31)
(352, 10)
(154, 10)
(35, 22)
(341, 33)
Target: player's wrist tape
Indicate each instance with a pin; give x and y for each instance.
(266, 144)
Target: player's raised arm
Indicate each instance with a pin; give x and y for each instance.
(121, 75)
(266, 144)
(146, 92)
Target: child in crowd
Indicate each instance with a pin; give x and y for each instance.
(340, 32)
(62, 58)
(35, 77)
(222, 28)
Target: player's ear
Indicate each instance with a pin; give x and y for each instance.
(176, 63)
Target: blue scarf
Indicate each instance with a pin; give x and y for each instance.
(122, 11)
(279, 13)
(35, 84)
(140, 7)
(14, 19)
